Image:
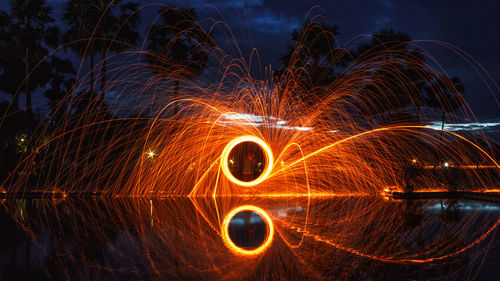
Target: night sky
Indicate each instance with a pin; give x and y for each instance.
(265, 25)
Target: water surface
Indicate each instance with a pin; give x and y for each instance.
(338, 238)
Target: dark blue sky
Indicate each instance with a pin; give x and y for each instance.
(265, 25)
(469, 25)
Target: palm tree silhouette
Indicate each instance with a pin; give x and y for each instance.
(396, 75)
(400, 79)
(179, 46)
(445, 94)
(12, 70)
(118, 23)
(61, 85)
(81, 22)
(29, 30)
(111, 25)
(317, 52)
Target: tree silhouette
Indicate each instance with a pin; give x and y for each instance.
(33, 31)
(118, 23)
(315, 57)
(445, 94)
(26, 34)
(61, 86)
(395, 75)
(178, 46)
(398, 78)
(111, 25)
(11, 74)
(80, 22)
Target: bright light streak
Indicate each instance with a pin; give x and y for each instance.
(225, 160)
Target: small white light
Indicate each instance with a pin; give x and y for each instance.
(150, 154)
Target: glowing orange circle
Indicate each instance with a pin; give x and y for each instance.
(267, 152)
(238, 250)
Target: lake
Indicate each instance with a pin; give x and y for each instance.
(248, 238)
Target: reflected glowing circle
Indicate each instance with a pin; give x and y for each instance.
(241, 251)
(267, 152)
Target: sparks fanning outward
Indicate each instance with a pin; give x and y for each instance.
(307, 131)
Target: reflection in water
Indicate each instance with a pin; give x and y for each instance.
(333, 238)
(247, 230)
(466, 206)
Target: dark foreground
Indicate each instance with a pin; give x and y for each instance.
(338, 238)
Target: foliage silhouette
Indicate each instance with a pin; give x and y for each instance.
(179, 46)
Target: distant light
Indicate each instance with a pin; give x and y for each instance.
(414, 160)
(446, 164)
(22, 139)
(151, 154)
